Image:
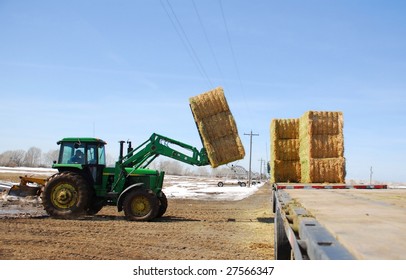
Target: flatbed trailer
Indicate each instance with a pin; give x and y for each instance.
(336, 221)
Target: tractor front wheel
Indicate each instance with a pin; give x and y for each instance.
(65, 195)
(141, 205)
(163, 205)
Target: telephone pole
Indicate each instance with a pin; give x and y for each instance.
(249, 171)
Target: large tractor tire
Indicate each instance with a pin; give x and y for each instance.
(95, 204)
(163, 205)
(141, 205)
(66, 195)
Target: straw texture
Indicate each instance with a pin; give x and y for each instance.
(285, 161)
(323, 170)
(217, 127)
(309, 149)
(321, 149)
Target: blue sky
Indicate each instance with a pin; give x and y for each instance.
(122, 70)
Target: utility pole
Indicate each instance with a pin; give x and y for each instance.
(370, 176)
(249, 172)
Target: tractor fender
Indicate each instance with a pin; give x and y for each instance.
(124, 193)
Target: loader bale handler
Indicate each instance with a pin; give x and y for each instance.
(84, 184)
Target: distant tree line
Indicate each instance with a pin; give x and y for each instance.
(33, 157)
(173, 167)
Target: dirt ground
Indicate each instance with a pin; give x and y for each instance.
(190, 230)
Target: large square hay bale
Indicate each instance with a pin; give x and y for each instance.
(326, 170)
(285, 164)
(285, 129)
(284, 139)
(321, 123)
(285, 149)
(217, 127)
(321, 146)
(284, 171)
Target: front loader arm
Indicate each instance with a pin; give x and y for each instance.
(155, 146)
(158, 145)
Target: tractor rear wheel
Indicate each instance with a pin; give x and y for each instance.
(141, 205)
(65, 195)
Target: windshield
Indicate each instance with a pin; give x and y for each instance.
(74, 153)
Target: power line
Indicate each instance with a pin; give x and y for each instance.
(232, 50)
(208, 41)
(185, 40)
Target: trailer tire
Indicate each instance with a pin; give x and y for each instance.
(141, 205)
(65, 195)
(220, 184)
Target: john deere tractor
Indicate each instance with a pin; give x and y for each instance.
(83, 183)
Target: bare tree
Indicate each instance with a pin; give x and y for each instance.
(49, 157)
(13, 158)
(202, 171)
(171, 167)
(32, 157)
(110, 160)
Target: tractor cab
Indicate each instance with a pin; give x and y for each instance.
(85, 155)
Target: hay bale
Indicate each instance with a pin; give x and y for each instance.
(285, 149)
(217, 127)
(321, 146)
(284, 171)
(284, 139)
(285, 164)
(285, 129)
(326, 170)
(208, 104)
(321, 123)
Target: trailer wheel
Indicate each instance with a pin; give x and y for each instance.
(281, 241)
(141, 205)
(220, 184)
(163, 205)
(65, 195)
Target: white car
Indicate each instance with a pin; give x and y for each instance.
(231, 182)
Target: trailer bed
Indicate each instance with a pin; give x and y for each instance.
(368, 223)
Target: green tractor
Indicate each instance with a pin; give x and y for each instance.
(83, 183)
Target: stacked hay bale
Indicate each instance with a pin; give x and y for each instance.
(217, 127)
(285, 161)
(322, 147)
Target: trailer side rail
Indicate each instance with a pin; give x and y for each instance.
(299, 236)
